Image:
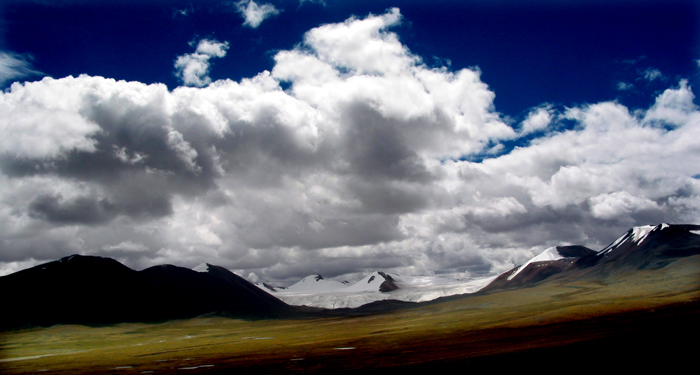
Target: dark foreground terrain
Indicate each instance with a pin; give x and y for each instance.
(640, 320)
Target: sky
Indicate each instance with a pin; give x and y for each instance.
(286, 138)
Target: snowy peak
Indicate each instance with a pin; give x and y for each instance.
(642, 247)
(374, 287)
(556, 253)
(315, 284)
(634, 236)
(377, 281)
(550, 254)
(647, 246)
(640, 233)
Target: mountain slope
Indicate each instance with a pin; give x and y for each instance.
(94, 290)
(550, 262)
(640, 248)
(646, 247)
(377, 281)
(315, 284)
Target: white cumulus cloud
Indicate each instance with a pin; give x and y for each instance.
(193, 68)
(614, 205)
(350, 155)
(674, 107)
(254, 13)
(536, 120)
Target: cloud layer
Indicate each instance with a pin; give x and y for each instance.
(366, 159)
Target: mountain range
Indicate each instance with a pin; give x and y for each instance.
(315, 291)
(94, 290)
(640, 248)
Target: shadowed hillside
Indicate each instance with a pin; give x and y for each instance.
(94, 290)
(640, 248)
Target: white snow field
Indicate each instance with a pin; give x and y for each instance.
(328, 294)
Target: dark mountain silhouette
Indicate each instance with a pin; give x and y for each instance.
(646, 247)
(94, 290)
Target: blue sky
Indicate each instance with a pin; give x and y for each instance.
(286, 138)
(529, 52)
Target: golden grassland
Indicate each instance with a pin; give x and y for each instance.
(608, 312)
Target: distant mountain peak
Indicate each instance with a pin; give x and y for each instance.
(312, 278)
(636, 235)
(377, 281)
(648, 246)
(104, 291)
(641, 247)
(555, 253)
(315, 283)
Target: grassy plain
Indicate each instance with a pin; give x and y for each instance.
(637, 318)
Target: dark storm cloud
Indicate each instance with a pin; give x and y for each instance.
(138, 162)
(94, 211)
(376, 149)
(389, 197)
(519, 221)
(81, 210)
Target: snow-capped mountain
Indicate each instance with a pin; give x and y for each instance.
(316, 284)
(310, 284)
(376, 282)
(548, 255)
(633, 236)
(566, 254)
(646, 247)
(95, 290)
(640, 247)
(643, 247)
(377, 286)
(552, 261)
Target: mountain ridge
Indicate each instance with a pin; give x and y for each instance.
(640, 248)
(572, 261)
(95, 290)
